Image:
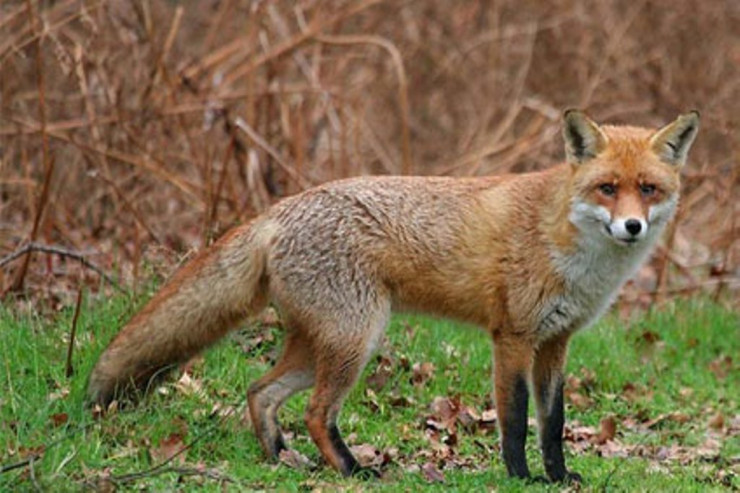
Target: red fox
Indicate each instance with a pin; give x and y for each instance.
(531, 258)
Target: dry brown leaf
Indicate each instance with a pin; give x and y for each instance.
(580, 401)
(709, 449)
(401, 401)
(59, 394)
(295, 460)
(371, 400)
(59, 419)
(422, 372)
(613, 448)
(488, 419)
(721, 367)
(680, 417)
(367, 455)
(432, 474)
(188, 385)
(634, 392)
(168, 448)
(382, 373)
(573, 383)
(657, 421)
(717, 422)
(607, 432)
(733, 427)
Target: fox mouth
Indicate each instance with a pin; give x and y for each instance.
(621, 241)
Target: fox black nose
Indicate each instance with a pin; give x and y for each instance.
(633, 226)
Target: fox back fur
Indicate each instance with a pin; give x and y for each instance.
(531, 258)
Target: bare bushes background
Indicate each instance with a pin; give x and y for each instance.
(130, 129)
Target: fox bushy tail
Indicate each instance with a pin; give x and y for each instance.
(202, 302)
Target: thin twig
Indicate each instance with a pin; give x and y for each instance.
(56, 250)
(32, 473)
(17, 465)
(69, 433)
(182, 471)
(302, 182)
(407, 166)
(47, 161)
(313, 29)
(69, 369)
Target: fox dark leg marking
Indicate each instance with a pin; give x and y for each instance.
(512, 363)
(516, 430)
(321, 418)
(547, 376)
(551, 434)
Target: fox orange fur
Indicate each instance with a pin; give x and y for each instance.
(531, 258)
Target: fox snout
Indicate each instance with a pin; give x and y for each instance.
(628, 230)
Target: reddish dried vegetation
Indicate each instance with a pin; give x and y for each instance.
(145, 123)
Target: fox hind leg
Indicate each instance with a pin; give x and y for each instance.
(340, 365)
(291, 374)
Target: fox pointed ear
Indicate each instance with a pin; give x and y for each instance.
(672, 142)
(584, 139)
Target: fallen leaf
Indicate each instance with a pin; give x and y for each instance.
(59, 419)
(658, 421)
(382, 373)
(686, 392)
(709, 449)
(650, 337)
(580, 401)
(421, 373)
(573, 383)
(400, 401)
(607, 432)
(721, 367)
(717, 422)
(488, 419)
(733, 427)
(368, 455)
(188, 385)
(59, 394)
(371, 400)
(296, 460)
(680, 417)
(634, 392)
(169, 447)
(432, 474)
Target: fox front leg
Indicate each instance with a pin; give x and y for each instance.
(512, 365)
(547, 380)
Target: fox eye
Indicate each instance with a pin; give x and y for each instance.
(608, 189)
(647, 190)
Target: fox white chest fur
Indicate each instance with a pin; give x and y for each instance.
(593, 277)
(599, 266)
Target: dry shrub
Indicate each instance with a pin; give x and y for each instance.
(146, 122)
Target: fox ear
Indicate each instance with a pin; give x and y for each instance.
(672, 142)
(584, 139)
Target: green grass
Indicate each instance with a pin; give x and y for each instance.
(664, 360)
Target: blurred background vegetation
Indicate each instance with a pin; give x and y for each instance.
(134, 131)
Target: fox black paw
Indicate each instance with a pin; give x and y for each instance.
(572, 477)
(537, 480)
(567, 478)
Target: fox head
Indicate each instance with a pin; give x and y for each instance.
(625, 179)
